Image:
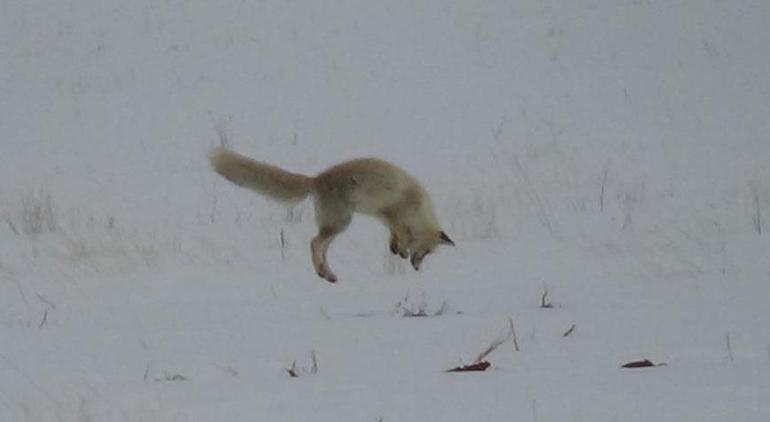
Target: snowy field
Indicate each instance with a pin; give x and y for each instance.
(612, 154)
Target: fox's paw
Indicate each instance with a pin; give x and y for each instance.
(395, 249)
(325, 273)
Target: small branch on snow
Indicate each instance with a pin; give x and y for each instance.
(604, 183)
(646, 363)
(44, 320)
(569, 331)
(480, 364)
(12, 226)
(544, 302)
(729, 347)
(513, 335)
(757, 218)
(295, 372)
(474, 367)
(491, 348)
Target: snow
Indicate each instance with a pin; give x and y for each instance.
(613, 154)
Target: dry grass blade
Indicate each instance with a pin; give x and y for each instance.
(474, 367)
(569, 331)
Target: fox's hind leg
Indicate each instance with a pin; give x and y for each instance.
(318, 247)
(331, 222)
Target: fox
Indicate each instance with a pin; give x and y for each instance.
(368, 186)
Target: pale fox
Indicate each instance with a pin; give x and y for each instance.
(367, 185)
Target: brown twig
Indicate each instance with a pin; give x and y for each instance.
(569, 331)
(474, 367)
(45, 319)
(646, 363)
(293, 370)
(513, 335)
(494, 345)
(544, 303)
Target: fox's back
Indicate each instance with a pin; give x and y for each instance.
(368, 184)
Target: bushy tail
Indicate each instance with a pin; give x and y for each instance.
(272, 181)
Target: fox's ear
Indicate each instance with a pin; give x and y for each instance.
(445, 239)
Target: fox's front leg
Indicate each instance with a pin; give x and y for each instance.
(397, 245)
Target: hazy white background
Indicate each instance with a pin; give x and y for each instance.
(614, 153)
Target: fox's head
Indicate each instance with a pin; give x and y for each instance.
(426, 244)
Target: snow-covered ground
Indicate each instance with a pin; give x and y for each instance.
(612, 153)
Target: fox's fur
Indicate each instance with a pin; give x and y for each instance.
(367, 185)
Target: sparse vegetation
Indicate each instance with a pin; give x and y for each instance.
(408, 307)
(480, 363)
(36, 215)
(171, 377)
(296, 372)
(601, 163)
(514, 339)
(757, 216)
(222, 129)
(545, 303)
(646, 363)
